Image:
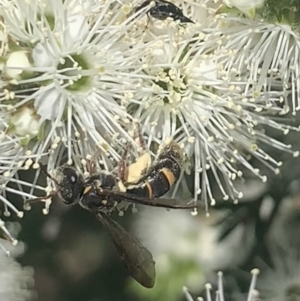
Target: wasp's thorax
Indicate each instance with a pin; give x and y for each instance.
(92, 197)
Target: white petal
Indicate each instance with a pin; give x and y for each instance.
(41, 57)
(47, 104)
(77, 30)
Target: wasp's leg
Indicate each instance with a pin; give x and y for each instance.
(122, 168)
(91, 165)
(29, 202)
(140, 138)
(148, 21)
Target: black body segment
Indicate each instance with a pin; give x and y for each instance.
(163, 9)
(91, 197)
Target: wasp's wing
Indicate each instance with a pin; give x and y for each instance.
(137, 258)
(161, 202)
(156, 202)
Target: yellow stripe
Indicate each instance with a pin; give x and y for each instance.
(169, 175)
(87, 189)
(149, 189)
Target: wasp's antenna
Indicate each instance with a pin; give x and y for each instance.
(44, 170)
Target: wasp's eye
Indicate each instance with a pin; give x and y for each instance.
(73, 179)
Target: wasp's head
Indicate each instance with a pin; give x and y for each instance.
(71, 185)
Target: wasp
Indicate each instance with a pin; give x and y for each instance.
(139, 183)
(163, 9)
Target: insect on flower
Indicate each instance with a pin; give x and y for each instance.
(140, 183)
(163, 9)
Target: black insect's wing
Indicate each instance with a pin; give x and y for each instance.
(162, 202)
(184, 19)
(137, 258)
(156, 202)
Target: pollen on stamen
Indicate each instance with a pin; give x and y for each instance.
(6, 213)
(20, 214)
(26, 206)
(28, 152)
(191, 139)
(36, 166)
(194, 212)
(208, 286)
(89, 157)
(28, 162)
(6, 174)
(20, 163)
(296, 154)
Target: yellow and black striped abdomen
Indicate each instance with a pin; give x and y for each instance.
(162, 176)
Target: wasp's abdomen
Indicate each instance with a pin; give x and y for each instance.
(160, 179)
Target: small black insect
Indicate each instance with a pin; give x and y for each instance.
(164, 9)
(140, 183)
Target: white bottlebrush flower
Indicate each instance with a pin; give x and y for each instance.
(253, 294)
(181, 91)
(64, 73)
(264, 54)
(69, 67)
(81, 71)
